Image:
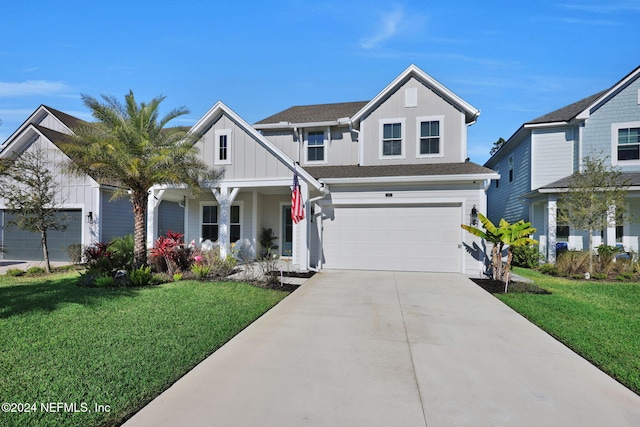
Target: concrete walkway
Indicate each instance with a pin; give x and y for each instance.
(392, 349)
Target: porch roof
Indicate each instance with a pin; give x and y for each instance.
(411, 170)
(632, 179)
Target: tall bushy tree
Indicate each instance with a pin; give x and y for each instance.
(595, 196)
(130, 147)
(31, 194)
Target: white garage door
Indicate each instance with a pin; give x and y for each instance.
(409, 238)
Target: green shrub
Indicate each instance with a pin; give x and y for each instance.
(160, 278)
(35, 270)
(526, 256)
(202, 271)
(75, 253)
(140, 276)
(177, 277)
(570, 263)
(15, 272)
(104, 282)
(599, 276)
(122, 253)
(549, 269)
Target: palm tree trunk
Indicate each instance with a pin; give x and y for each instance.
(45, 250)
(139, 202)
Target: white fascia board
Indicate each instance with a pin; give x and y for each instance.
(545, 125)
(220, 108)
(409, 179)
(422, 201)
(414, 71)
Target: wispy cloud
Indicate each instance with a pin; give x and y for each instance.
(388, 28)
(32, 87)
(610, 6)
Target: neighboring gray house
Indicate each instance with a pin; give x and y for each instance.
(93, 216)
(536, 161)
(386, 182)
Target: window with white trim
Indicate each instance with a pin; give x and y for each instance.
(315, 146)
(211, 225)
(392, 138)
(223, 146)
(510, 169)
(629, 143)
(429, 131)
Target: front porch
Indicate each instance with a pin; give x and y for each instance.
(235, 213)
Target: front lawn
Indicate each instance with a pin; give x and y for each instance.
(67, 349)
(598, 320)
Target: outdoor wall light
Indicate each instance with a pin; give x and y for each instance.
(90, 217)
(474, 215)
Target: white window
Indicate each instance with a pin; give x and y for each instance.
(625, 143)
(510, 169)
(223, 147)
(315, 147)
(429, 131)
(210, 223)
(392, 138)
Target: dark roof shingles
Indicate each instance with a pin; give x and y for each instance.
(430, 169)
(315, 113)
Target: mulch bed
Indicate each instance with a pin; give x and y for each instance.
(497, 287)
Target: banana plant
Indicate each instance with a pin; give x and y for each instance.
(505, 234)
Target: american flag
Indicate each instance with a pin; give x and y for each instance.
(297, 212)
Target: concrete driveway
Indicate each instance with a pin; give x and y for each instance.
(358, 348)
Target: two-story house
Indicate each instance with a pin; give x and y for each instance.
(385, 183)
(537, 160)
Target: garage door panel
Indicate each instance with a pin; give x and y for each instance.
(412, 238)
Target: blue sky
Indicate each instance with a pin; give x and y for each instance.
(512, 60)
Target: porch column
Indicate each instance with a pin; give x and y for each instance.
(610, 235)
(225, 197)
(552, 211)
(300, 241)
(153, 202)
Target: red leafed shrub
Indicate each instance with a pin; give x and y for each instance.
(176, 254)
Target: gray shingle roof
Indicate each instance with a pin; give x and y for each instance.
(631, 178)
(355, 171)
(568, 112)
(315, 113)
(69, 121)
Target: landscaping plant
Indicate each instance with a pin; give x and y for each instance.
(505, 234)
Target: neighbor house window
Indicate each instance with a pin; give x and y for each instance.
(562, 233)
(315, 146)
(392, 138)
(629, 143)
(510, 169)
(429, 136)
(498, 180)
(211, 224)
(223, 146)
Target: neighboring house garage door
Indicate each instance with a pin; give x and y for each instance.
(393, 237)
(25, 245)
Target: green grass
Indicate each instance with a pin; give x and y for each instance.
(598, 320)
(115, 347)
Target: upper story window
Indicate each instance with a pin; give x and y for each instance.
(316, 146)
(223, 146)
(392, 142)
(629, 143)
(429, 133)
(625, 143)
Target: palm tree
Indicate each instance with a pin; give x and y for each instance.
(129, 147)
(511, 235)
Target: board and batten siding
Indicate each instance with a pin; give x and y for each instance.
(504, 201)
(429, 104)
(596, 134)
(249, 159)
(552, 155)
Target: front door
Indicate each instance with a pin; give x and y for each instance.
(287, 232)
